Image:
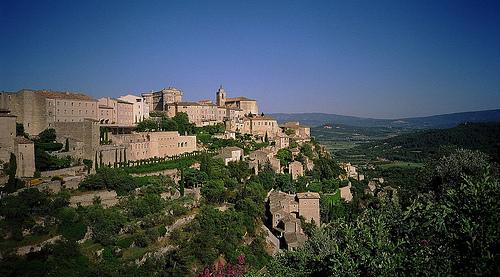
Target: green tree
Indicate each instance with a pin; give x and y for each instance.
(20, 132)
(11, 183)
(183, 125)
(47, 135)
(168, 125)
(214, 191)
(147, 125)
(66, 145)
(194, 177)
(285, 156)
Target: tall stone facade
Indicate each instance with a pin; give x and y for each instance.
(145, 145)
(140, 109)
(39, 110)
(309, 206)
(248, 106)
(24, 149)
(87, 132)
(7, 135)
(116, 112)
(261, 125)
(295, 168)
(163, 97)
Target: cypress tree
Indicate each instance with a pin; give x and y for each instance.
(181, 185)
(11, 184)
(66, 147)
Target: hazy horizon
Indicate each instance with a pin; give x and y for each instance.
(381, 60)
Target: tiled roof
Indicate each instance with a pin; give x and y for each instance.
(65, 95)
(258, 117)
(292, 238)
(235, 99)
(310, 195)
(123, 101)
(7, 115)
(187, 104)
(22, 140)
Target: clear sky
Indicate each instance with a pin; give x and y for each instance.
(379, 59)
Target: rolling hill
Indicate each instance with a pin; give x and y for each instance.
(416, 123)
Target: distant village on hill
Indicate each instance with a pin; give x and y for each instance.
(81, 120)
(107, 132)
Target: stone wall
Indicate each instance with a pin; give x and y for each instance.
(70, 171)
(86, 131)
(31, 109)
(7, 135)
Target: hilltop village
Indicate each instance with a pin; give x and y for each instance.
(134, 130)
(154, 185)
(100, 130)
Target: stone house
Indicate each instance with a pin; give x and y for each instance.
(261, 157)
(24, 149)
(140, 109)
(295, 169)
(39, 110)
(285, 210)
(260, 126)
(116, 112)
(145, 145)
(300, 134)
(230, 154)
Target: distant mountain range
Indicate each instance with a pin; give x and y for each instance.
(418, 123)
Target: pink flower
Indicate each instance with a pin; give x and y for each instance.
(425, 242)
(241, 260)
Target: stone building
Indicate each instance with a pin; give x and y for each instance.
(226, 110)
(145, 145)
(261, 157)
(247, 106)
(285, 210)
(158, 99)
(309, 206)
(8, 134)
(260, 126)
(300, 134)
(140, 109)
(84, 135)
(39, 110)
(230, 154)
(116, 112)
(295, 168)
(201, 113)
(282, 140)
(24, 149)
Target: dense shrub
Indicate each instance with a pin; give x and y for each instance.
(51, 146)
(73, 232)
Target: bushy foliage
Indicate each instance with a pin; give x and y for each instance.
(109, 178)
(453, 234)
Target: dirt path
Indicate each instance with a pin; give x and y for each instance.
(23, 250)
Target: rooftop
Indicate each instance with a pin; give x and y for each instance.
(308, 195)
(235, 99)
(65, 95)
(23, 140)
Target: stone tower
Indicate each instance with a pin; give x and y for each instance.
(221, 97)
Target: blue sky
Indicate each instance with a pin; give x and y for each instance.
(379, 59)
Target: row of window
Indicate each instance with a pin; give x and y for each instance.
(72, 112)
(72, 104)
